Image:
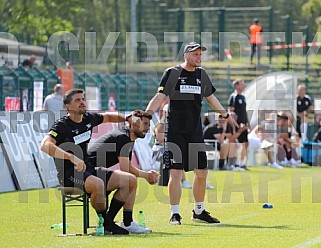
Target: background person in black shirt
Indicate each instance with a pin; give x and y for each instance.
(303, 104)
(28, 63)
(223, 133)
(237, 104)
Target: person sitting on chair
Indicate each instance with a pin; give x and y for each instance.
(67, 143)
(116, 147)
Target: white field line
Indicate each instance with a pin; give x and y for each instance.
(309, 243)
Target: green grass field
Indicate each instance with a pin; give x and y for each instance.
(237, 201)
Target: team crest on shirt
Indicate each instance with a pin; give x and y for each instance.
(306, 103)
(88, 125)
(299, 102)
(76, 131)
(240, 101)
(183, 79)
(198, 81)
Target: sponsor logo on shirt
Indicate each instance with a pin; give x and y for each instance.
(82, 137)
(190, 89)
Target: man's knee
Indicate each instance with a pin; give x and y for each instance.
(132, 181)
(176, 175)
(94, 184)
(201, 174)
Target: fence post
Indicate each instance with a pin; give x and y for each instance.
(180, 24)
(221, 29)
(139, 28)
(270, 31)
(201, 24)
(288, 35)
(116, 29)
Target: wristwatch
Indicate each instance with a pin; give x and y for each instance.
(227, 116)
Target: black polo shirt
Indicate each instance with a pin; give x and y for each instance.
(238, 102)
(73, 137)
(106, 150)
(186, 90)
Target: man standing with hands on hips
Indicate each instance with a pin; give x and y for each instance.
(186, 85)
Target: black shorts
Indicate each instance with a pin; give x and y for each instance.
(77, 179)
(255, 47)
(243, 137)
(185, 152)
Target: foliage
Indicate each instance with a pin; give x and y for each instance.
(33, 21)
(311, 10)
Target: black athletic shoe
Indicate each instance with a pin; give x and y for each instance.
(204, 217)
(112, 228)
(175, 219)
(244, 167)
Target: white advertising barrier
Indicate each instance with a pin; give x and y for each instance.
(21, 134)
(6, 180)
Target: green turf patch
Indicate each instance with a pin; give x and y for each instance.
(237, 201)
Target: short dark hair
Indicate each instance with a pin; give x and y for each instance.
(70, 93)
(237, 82)
(140, 113)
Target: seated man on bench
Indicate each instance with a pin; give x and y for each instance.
(67, 142)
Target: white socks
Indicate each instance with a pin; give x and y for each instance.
(199, 207)
(175, 209)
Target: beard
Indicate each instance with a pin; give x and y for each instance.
(139, 134)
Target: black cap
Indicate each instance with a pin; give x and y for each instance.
(192, 46)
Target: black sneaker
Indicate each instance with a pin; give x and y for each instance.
(244, 167)
(204, 217)
(113, 229)
(175, 219)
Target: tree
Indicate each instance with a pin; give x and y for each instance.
(34, 21)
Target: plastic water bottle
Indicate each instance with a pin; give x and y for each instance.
(58, 226)
(141, 219)
(100, 226)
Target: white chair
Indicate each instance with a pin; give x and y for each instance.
(212, 154)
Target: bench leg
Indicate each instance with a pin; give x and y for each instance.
(64, 214)
(86, 213)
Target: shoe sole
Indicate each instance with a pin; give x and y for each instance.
(203, 221)
(111, 233)
(174, 223)
(140, 232)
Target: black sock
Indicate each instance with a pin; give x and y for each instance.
(127, 217)
(221, 163)
(115, 206)
(103, 214)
